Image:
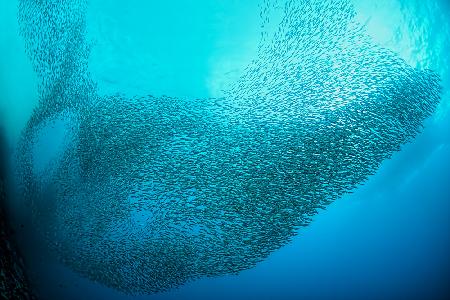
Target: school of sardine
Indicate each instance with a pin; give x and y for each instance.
(149, 193)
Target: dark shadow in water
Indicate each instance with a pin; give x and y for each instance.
(13, 281)
(3, 153)
(3, 175)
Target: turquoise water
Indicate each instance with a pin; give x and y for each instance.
(389, 239)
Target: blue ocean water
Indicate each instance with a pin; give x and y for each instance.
(389, 239)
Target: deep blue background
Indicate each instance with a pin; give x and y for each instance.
(390, 239)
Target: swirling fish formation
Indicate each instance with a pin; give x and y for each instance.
(149, 193)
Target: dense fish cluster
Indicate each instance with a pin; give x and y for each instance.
(148, 193)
